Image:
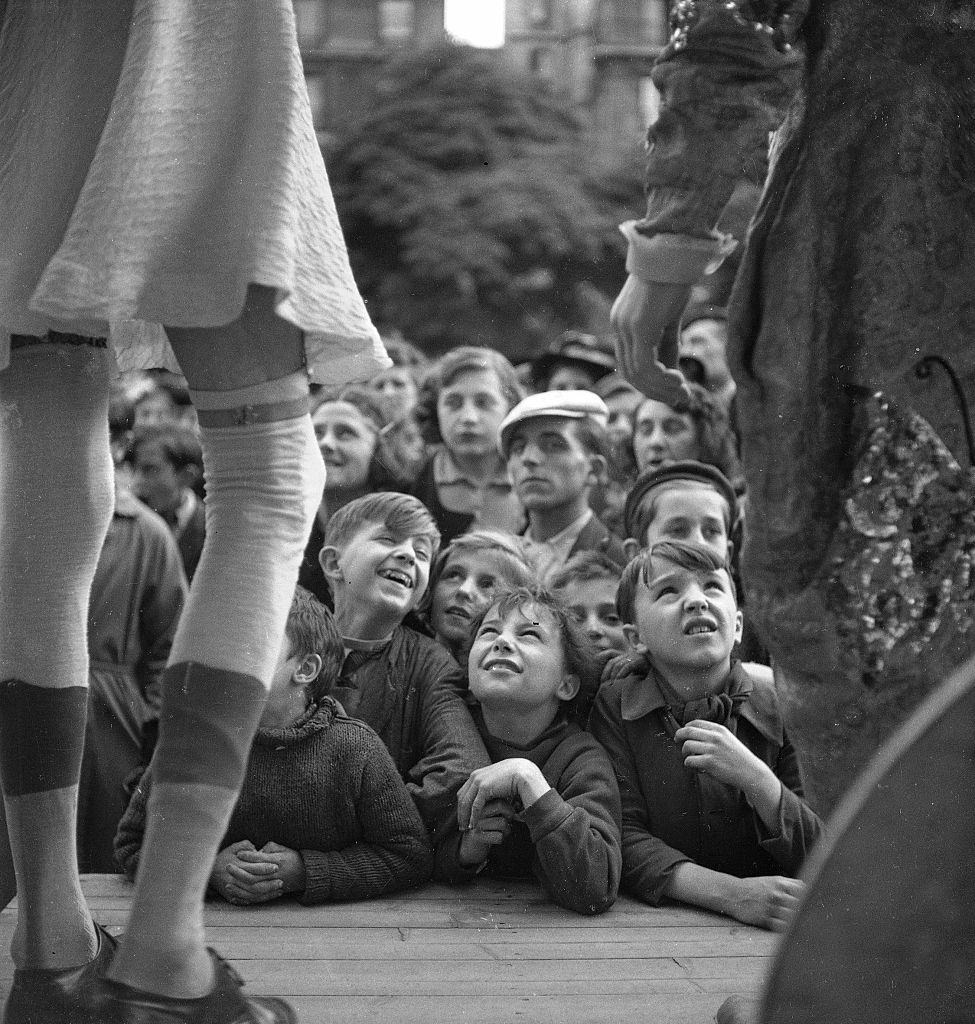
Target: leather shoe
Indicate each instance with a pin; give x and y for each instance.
(46, 996)
(225, 1004)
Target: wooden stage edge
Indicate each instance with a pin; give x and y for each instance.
(489, 953)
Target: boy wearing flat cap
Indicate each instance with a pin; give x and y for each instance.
(556, 448)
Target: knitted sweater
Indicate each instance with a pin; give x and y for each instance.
(326, 787)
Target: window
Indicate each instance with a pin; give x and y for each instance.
(540, 13)
(351, 22)
(397, 21)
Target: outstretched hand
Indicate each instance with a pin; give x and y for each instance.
(640, 314)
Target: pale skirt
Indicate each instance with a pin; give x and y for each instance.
(156, 158)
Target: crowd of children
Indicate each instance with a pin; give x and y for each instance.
(497, 661)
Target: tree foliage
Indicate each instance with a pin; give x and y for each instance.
(469, 206)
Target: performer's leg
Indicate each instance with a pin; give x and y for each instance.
(264, 480)
(55, 506)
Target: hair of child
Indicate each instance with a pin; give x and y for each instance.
(403, 514)
(465, 359)
(685, 554)
(586, 565)
(715, 438)
(180, 445)
(578, 653)
(512, 551)
(311, 629)
(390, 467)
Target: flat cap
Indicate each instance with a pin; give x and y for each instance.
(571, 405)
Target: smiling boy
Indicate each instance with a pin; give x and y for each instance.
(713, 813)
(548, 806)
(377, 555)
(556, 448)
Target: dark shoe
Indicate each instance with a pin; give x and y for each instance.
(43, 996)
(226, 1004)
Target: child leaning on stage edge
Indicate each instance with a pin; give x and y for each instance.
(323, 813)
(377, 556)
(549, 805)
(713, 813)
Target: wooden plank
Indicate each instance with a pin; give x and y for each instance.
(288, 947)
(660, 1008)
(331, 977)
(485, 953)
(460, 914)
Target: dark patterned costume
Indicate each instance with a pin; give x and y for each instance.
(860, 260)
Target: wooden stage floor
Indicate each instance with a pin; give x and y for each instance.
(490, 953)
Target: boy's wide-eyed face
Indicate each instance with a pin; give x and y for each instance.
(516, 660)
(464, 589)
(384, 569)
(689, 512)
(685, 618)
(592, 603)
(469, 411)
(548, 465)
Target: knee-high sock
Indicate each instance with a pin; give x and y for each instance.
(55, 505)
(264, 482)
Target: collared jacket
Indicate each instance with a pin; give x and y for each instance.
(673, 814)
(410, 691)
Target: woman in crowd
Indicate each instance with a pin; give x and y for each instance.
(362, 454)
(696, 427)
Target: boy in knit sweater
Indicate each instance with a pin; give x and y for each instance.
(548, 806)
(323, 814)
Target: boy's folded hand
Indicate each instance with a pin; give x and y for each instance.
(490, 829)
(514, 779)
(713, 748)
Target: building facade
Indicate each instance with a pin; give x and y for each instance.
(342, 41)
(597, 52)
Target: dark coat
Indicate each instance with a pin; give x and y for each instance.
(673, 814)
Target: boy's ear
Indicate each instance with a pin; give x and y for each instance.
(307, 670)
(328, 559)
(631, 548)
(739, 626)
(568, 687)
(632, 635)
